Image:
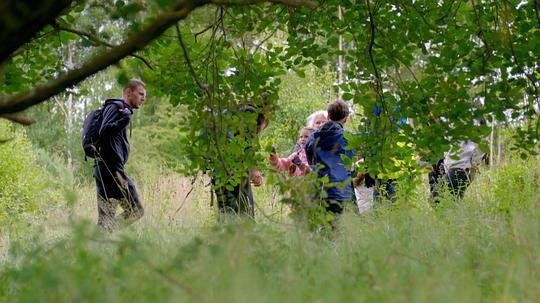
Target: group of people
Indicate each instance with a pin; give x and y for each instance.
(319, 150)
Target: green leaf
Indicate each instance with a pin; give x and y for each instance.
(347, 96)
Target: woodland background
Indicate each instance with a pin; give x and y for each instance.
(441, 64)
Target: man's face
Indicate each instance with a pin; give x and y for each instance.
(136, 96)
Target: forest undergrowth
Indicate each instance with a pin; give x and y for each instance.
(481, 249)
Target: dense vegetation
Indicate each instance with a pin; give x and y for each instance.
(441, 64)
(483, 248)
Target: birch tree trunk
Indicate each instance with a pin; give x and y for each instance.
(340, 59)
(499, 144)
(69, 115)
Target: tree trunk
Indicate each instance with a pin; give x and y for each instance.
(340, 59)
(69, 115)
(499, 145)
(491, 138)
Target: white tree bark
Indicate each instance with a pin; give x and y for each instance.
(491, 138)
(340, 58)
(69, 115)
(499, 144)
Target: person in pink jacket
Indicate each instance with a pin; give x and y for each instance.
(296, 163)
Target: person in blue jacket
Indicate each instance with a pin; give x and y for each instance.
(324, 149)
(114, 187)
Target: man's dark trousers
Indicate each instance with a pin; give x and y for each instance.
(114, 187)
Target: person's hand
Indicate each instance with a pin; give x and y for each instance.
(256, 178)
(474, 171)
(296, 160)
(273, 158)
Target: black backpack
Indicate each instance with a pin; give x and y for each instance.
(91, 126)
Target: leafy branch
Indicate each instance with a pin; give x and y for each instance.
(136, 42)
(96, 40)
(204, 87)
(378, 80)
(531, 78)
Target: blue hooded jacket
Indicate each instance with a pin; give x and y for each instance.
(114, 146)
(325, 147)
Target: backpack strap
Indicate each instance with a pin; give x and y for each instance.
(120, 104)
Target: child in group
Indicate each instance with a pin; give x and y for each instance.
(296, 163)
(314, 121)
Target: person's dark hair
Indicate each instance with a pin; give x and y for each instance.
(337, 110)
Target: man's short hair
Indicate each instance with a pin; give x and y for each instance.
(133, 83)
(337, 110)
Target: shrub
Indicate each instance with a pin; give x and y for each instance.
(19, 174)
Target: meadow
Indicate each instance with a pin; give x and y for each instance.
(484, 248)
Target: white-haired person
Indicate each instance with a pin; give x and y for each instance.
(316, 119)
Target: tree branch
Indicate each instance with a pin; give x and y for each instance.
(209, 95)
(20, 20)
(94, 38)
(201, 84)
(136, 42)
(12, 104)
(17, 119)
(291, 3)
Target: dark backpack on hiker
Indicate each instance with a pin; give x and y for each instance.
(91, 126)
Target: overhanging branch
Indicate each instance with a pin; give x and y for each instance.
(17, 119)
(20, 20)
(136, 42)
(94, 38)
(12, 104)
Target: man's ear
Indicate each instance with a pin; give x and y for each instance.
(126, 92)
(344, 120)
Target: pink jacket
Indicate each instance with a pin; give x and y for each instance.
(285, 164)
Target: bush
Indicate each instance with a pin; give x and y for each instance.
(19, 174)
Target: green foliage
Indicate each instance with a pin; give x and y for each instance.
(214, 85)
(441, 64)
(155, 139)
(471, 251)
(59, 184)
(20, 177)
(298, 98)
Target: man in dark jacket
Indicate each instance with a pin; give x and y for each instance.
(325, 147)
(114, 187)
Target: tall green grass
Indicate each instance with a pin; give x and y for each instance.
(484, 248)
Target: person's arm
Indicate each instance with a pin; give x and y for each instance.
(297, 163)
(281, 164)
(305, 168)
(255, 177)
(476, 159)
(114, 120)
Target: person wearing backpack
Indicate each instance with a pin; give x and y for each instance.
(105, 139)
